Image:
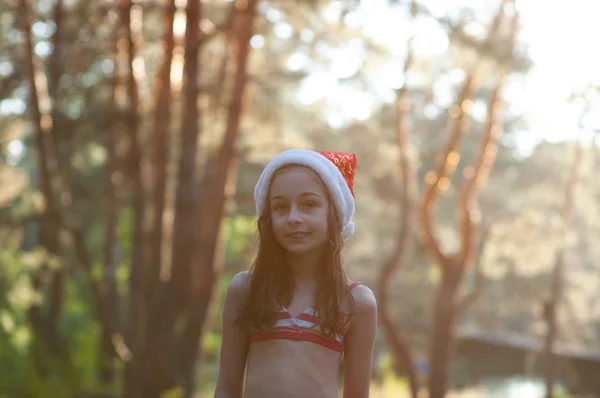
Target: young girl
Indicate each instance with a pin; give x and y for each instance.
(288, 321)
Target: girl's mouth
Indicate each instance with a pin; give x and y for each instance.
(297, 235)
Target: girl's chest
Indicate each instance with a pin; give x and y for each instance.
(303, 300)
(299, 306)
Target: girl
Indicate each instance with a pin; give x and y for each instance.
(288, 321)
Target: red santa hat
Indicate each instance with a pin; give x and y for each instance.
(336, 169)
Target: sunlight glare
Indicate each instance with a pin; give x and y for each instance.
(273, 15)
(12, 106)
(541, 96)
(386, 26)
(334, 119)
(179, 23)
(298, 61)
(332, 13)
(316, 86)
(177, 68)
(347, 61)
(257, 41)
(16, 149)
(307, 35)
(353, 104)
(354, 20)
(479, 110)
(283, 30)
(430, 40)
(6, 68)
(475, 29)
(391, 73)
(43, 48)
(431, 111)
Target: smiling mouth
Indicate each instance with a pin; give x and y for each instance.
(298, 234)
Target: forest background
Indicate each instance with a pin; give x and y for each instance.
(133, 132)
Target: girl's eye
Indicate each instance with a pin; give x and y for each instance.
(310, 205)
(279, 207)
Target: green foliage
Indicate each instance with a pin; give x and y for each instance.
(240, 232)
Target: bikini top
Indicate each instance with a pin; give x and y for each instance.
(303, 327)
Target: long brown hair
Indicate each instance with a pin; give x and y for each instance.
(272, 282)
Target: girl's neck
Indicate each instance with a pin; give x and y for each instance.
(305, 266)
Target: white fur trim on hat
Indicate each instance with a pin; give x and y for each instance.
(329, 173)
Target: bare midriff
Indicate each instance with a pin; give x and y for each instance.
(290, 368)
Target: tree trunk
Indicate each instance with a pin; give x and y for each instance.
(211, 213)
(155, 365)
(443, 331)
(45, 326)
(161, 366)
(452, 267)
(550, 307)
(185, 236)
(400, 349)
(160, 138)
(108, 291)
(135, 335)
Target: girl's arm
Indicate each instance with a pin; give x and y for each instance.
(359, 342)
(234, 346)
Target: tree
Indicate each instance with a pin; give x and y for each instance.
(446, 305)
(399, 346)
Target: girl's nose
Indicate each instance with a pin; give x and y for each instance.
(294, 216)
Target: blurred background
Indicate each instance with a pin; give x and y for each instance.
(132, 134)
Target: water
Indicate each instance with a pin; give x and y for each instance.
(517, 387)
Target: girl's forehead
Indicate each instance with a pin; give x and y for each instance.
(295, 180)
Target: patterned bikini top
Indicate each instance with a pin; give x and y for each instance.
(303, 327)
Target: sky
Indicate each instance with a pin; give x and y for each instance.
(554, 33)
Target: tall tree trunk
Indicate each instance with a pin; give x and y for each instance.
(157, 356)
(400, 349)
(444, 317)
(451, 269)
(158, 369)
(53, 220)
(160, 138)
(134, 169)
(108, 289)
(448, 304)
(45, 326)
(135, 335)
(218, 173)
(550, 307)
(185, 236)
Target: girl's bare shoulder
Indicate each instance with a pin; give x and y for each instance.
(363, 297)
(240, 284)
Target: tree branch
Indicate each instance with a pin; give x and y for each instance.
(475, 175)
(437, 181)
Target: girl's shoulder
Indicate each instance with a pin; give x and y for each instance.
(239, 284)
(363, 296)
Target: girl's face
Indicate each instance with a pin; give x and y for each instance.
(299, 207)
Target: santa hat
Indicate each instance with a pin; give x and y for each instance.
(336, 169)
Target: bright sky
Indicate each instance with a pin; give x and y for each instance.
(556, 33)
(553, 31)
